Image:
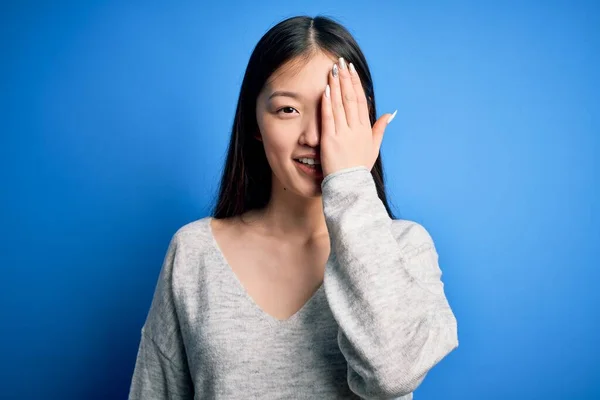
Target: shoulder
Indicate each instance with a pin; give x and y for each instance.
(195, 234)
(189, 245)
(190, 256)
(195, 244)
(412, 237)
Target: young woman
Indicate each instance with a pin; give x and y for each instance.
(302, 285)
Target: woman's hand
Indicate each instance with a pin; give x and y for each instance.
(347, 139)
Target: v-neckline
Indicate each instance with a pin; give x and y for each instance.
(239, 287)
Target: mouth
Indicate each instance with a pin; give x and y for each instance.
(312, 170)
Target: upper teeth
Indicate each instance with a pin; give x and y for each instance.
(309, 161)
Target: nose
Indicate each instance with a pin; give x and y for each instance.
(311, 135)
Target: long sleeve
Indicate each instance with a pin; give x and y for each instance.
(161, 369)
(384, 289)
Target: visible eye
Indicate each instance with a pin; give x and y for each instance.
(287, 110)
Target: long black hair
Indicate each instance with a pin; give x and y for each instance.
(246, 180)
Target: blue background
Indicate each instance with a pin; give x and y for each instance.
(115, 118)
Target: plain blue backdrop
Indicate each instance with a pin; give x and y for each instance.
(115, 117)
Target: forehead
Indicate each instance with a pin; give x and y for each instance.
(302, 74)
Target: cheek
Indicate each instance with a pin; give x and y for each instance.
(278, 154)
(279, 142)
(276, 146)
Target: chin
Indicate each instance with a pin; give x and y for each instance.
(312, 191)
(301, 185)
(305, 188)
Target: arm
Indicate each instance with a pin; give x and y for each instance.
(384, 289)
(161, 370)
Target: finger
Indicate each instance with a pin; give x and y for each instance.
(327, 120)
(379, 128)
(337, 105)
(361, 99)
(348, 95)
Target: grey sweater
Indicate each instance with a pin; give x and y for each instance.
(375, 327)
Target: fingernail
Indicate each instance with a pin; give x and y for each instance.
(342, 63)
(335, 70)
(327, 91)
(392, 117)
(351, 68)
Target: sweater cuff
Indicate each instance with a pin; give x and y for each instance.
(351, 192)
(347, 177)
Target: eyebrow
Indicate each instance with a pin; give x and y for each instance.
(285, 93)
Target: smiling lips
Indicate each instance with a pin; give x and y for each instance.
(314, 170)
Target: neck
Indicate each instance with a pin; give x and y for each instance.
(293, 216)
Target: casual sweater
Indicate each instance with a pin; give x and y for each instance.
(378, 323)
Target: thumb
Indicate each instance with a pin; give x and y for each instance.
(379, 127)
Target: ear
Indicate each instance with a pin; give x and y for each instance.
(258, 137)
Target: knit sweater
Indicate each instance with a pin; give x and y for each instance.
(378, 323)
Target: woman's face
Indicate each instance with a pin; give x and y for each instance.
(288, 113)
